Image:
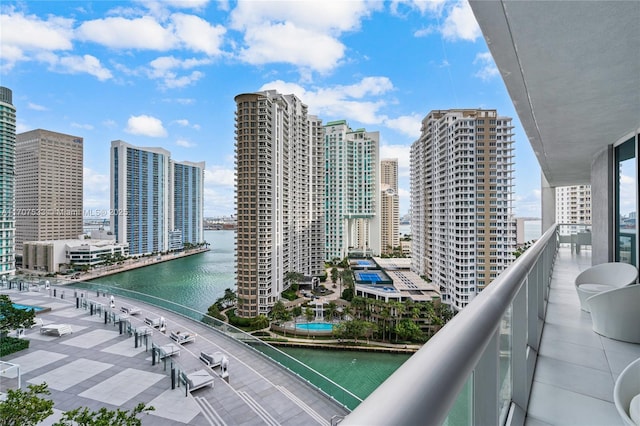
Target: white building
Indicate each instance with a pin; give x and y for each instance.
(7, 181)
(573, 204)
(389, 206)
(279, 197)
(53, 256)
(140, 197)
(187, 202)
(463, 234)
(352, 191)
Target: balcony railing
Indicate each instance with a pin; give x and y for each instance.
(478, 369)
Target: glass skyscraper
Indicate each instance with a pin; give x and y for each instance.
(7, 181)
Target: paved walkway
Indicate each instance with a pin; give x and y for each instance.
(96, 367)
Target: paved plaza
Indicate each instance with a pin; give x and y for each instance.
(98, 366)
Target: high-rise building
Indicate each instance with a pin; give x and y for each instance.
(140, 197)
(7, 181)
(279, 197)
(49, 185)
(187, 202)
(352, 191)
(573, 204)
(389, 206)
(461, 201)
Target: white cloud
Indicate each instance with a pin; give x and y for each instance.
(96, 190)
(163, 69)
(285, 42)
(219, 187)
(122, 33)
(460, 24)
(409, 125)
(423, 6)
(82, 126)
(37, 107)
(401, 152)
(111, 124)
(185, 143)
(197, 34)
(343, 102)
(528, 205)
(185, 123)
(303, 33)
(488, 68)
(24, 34)
(82, 64)
(146, 125)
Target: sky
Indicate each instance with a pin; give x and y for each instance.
(165, 73)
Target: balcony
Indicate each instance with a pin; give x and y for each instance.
(522, 352)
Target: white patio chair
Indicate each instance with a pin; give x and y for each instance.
(626, 394)
(616, 314)
(603, 277)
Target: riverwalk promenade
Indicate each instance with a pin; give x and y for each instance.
(130, 264)
(100, 365)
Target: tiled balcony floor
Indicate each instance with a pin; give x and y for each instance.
(576, 368)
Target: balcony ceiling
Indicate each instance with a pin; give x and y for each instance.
(572, 69)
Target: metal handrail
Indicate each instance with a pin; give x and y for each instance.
(424, 389)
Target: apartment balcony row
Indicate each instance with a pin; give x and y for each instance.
(521, 352)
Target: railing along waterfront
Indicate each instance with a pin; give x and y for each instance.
(60, 288)
(477, 370)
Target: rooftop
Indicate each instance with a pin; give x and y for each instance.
(97, 366)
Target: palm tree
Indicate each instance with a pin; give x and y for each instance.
(331, 309)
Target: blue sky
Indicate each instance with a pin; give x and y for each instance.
(164, 74)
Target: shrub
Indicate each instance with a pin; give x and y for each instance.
(10, 345)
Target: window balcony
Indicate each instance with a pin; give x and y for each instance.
(521, 352)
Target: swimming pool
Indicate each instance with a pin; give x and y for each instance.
(315, 326)
(27, 307)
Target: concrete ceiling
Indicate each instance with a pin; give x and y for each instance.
(572, 69)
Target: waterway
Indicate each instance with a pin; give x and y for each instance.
(198, 281)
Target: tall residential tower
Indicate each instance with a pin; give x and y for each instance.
(49, 168)
(463, 235)
(187, 201)
(279, 197)
(140, 197)
(352, 191)
(7, 181)
(389, 206)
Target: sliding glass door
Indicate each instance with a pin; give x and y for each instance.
(626, 226)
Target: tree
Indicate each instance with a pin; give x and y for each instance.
(332, 308)
(12, 318)
(408, 330)
(334, 274)
(309, 314)
(260, 322)
(25, 408)
(294, 278)
(279, 312)
(103, 417)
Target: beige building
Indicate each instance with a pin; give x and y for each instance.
(55, 256)
(48, 186)
(463, 234)
(573, 204)
(389, 206)
(279, 197)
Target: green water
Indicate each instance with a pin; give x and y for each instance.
(197, 281)
(359, 372)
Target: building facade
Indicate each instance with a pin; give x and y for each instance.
(352, 188)
(389, 206)
(56, 256)
(279, 197)
(140, 197)
(7, 181)
(573, 204)
(463, 234)
(49, 185)
(187, 183)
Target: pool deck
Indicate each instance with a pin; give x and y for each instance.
(96, 367)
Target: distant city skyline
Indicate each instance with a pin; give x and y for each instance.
(169, 77)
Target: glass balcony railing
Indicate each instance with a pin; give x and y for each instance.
(477, 370)
(70, 289)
